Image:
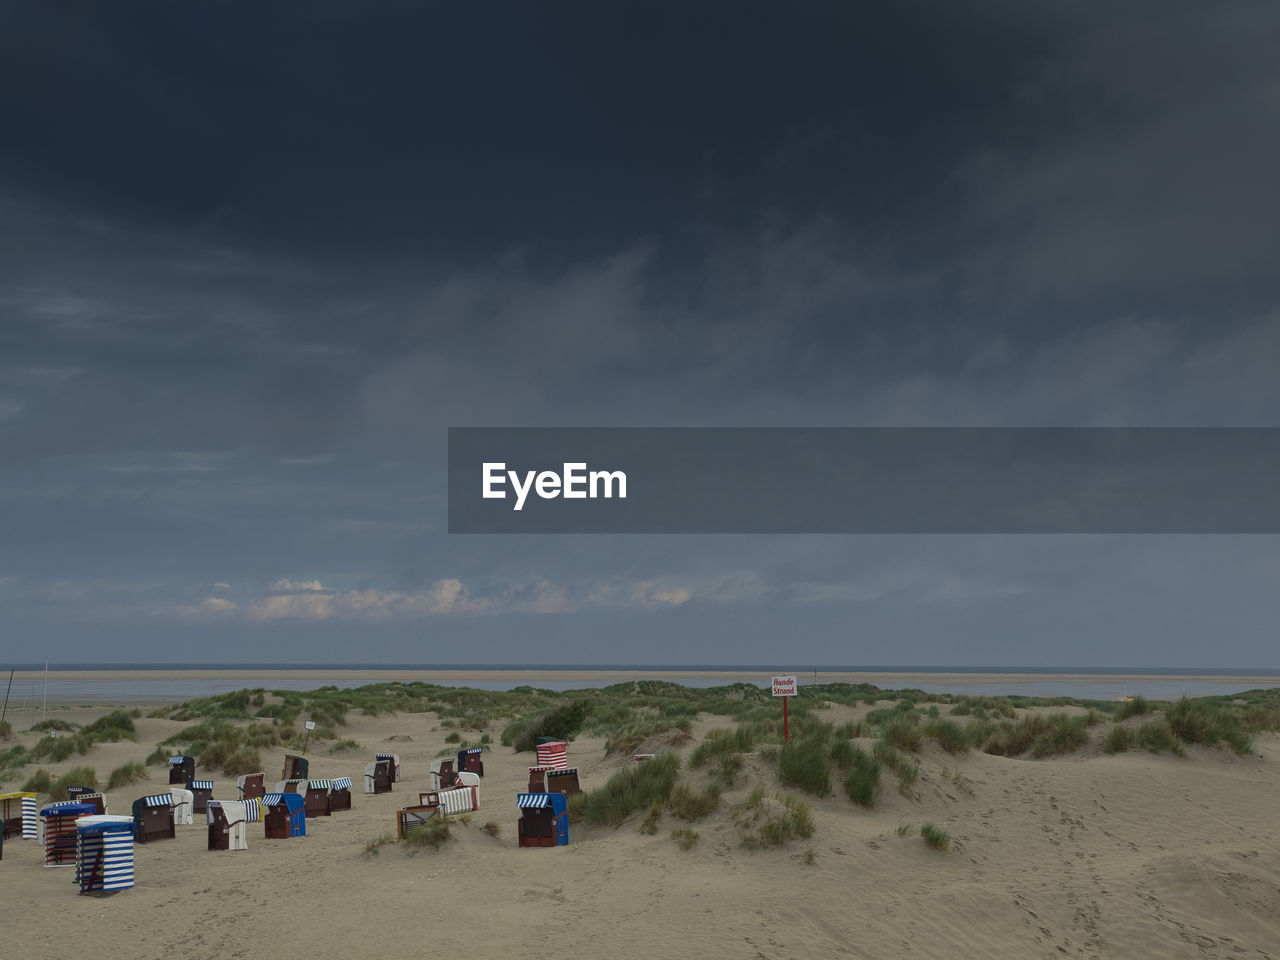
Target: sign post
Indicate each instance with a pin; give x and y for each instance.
(310, 725)
(785, 687)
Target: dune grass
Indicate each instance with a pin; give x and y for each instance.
(1157, 736)
(687, 804)
(562, 721)
(128, 773)
(1118, 740)
(761, 823)
(1208, 724)
(951, 736)
(56, 787)
(429, 835)
(1043, 735)
(52, 725)
(906, 769)
(862, 783)
(802, 763)
(935, 838)
(631, 789)
(902, 732)
(685, 838)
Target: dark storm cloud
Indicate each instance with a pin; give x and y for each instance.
(254, 260)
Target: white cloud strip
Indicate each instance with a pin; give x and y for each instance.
(311, 600)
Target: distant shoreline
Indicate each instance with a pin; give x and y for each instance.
(113, 686)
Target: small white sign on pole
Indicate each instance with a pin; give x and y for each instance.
(310, 724)
(784, 686)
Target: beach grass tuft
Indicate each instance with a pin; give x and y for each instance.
(802, 763)
(935, 838)
(128, 773)
(688, 804)
(906, 769)
(431, 834)
(1118, 740)
(951, 736)
(685, 838)
(862, 783)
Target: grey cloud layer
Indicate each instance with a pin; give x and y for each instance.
(237, 317)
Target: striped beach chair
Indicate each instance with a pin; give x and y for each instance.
(316, 798)
(250, 786)
(153, 818)
(60, 831)
(201, 794)
(284, 816)
(544, 820)
(18, 810)
(554, 754)
(340, 794)
(227, 821)
(104, 853)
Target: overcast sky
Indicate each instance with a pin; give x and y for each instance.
(256, 259)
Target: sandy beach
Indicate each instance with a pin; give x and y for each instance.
(1087, 855)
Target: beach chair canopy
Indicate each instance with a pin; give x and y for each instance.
(537, 801)
(291, 801)
(68, 808)
(141, 805)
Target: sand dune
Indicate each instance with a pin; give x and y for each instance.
(1136, 855)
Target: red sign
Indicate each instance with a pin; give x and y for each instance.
(784, 686)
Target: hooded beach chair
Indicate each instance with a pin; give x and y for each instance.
(184, 808)
(440, 773)
(395, 764)
(340, 794)
(316, 798)
(377, 777)
(201, 794)
(295, 768)
(153, 818)
(228, 821)
(60, 831)
(563, 781)
(182, 769)
(251, 786)
(18, 810)
(104, 853)
(544, 820)
(470, 760)
(284, 816)
(553, 754)
(97, 799)
(452, 801)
